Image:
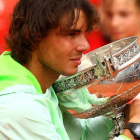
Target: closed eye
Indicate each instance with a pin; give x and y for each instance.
(72, 34)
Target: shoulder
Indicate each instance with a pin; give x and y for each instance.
(23, 104)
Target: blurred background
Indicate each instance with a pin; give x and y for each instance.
(6, 8)
(119, 19)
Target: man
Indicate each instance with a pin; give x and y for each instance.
(47, 38)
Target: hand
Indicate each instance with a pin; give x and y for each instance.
(132, 112)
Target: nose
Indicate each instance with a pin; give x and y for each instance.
(115, 21)
(83, 45)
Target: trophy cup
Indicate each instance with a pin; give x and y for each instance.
(113, 68)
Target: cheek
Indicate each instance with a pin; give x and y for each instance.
(65, 46)
(131, 26)
(131, 22)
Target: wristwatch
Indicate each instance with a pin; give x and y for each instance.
(134, 128)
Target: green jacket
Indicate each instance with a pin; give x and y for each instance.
(28, 114)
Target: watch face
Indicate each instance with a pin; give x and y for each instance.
(136, 130)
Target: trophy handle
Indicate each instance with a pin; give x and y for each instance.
(118, 119)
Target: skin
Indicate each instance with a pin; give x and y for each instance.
(59, 53)
(122, 18)
(132, 113)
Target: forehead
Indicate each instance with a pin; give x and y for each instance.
(79, 22)
(120, 5)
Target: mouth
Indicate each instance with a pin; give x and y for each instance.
(116, 32)
(76, 61)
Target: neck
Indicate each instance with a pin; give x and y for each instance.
(138, 35)
(45, 76)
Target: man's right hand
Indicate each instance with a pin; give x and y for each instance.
(132, 113)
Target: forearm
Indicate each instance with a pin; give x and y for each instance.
(128, 134)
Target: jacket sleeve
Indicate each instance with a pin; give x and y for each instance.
(121, 137)
(91, 129)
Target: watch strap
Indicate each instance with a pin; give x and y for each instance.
(130, 127)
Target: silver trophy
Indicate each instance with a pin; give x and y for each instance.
(113, 68)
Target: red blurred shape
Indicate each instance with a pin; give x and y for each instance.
(6, 8)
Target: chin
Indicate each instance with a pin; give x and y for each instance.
(115, 38)
(72, 72)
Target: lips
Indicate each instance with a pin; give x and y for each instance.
(116, 32)
(76, 60)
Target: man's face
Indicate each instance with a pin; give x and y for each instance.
(62, 53)
(122, 18)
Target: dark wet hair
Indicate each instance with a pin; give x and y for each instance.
(33, 19)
